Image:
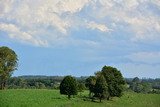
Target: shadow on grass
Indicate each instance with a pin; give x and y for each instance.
(92, 99)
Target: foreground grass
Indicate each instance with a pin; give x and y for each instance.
(52, 98)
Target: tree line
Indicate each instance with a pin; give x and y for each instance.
(144, 85)
(39, 82)
(53, 82)
(106, 83)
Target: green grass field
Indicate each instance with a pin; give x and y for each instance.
(52, 98)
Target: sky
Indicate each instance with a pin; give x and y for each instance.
(79, 37)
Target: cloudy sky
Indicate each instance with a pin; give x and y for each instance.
(79, 37)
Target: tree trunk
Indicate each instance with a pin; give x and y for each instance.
(89, 94)
(100, 98)
(69, 97)
(108, 98)
(2, 84)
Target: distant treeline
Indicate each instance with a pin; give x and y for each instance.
(145, 85)
(38, 82)
(154, 82)
(53, 82)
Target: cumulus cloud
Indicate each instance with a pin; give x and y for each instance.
(36, 17)
(21, 36)
(100, 27)
(140, 17)
(46, 20)
(71, 6)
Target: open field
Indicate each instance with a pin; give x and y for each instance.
(52, 98)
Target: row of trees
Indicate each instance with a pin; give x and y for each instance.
(33, 83)
(106, 83)
(41, 82)
(144, 85)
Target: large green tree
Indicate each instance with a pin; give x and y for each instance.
(68, 86)
(8, 63)
(101, 88)
(114, 80)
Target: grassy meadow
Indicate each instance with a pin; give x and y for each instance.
(52, 98)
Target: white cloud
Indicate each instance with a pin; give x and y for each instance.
(137, 16)
(5, 7)
(156, 2)
(54, 19)
(40, 14)
(143, 27)
(21, 36)
(35, 17)
(100, 27)
(131, 4)
(71, 6)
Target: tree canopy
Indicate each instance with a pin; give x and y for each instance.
(68, 86)
(8, 63)
(106, 83)
(114, 80)
(101, 88)
(90, 83)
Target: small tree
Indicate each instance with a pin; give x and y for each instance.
(101, 88)
(68, 86)
(8, 63)
(136, 80)
(136, 85)
(146, 87)
(139, 88)
(90, 83)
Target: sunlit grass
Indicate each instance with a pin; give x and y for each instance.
(52, 98)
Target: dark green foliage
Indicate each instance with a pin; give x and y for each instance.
(101, 88)
(53, 82)
(114, 80)
(8, 63)
(136, 80)
(138, 88)
(146, 87)
(68, 86)
(135, 85)
(90, 83)
(81, 87)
